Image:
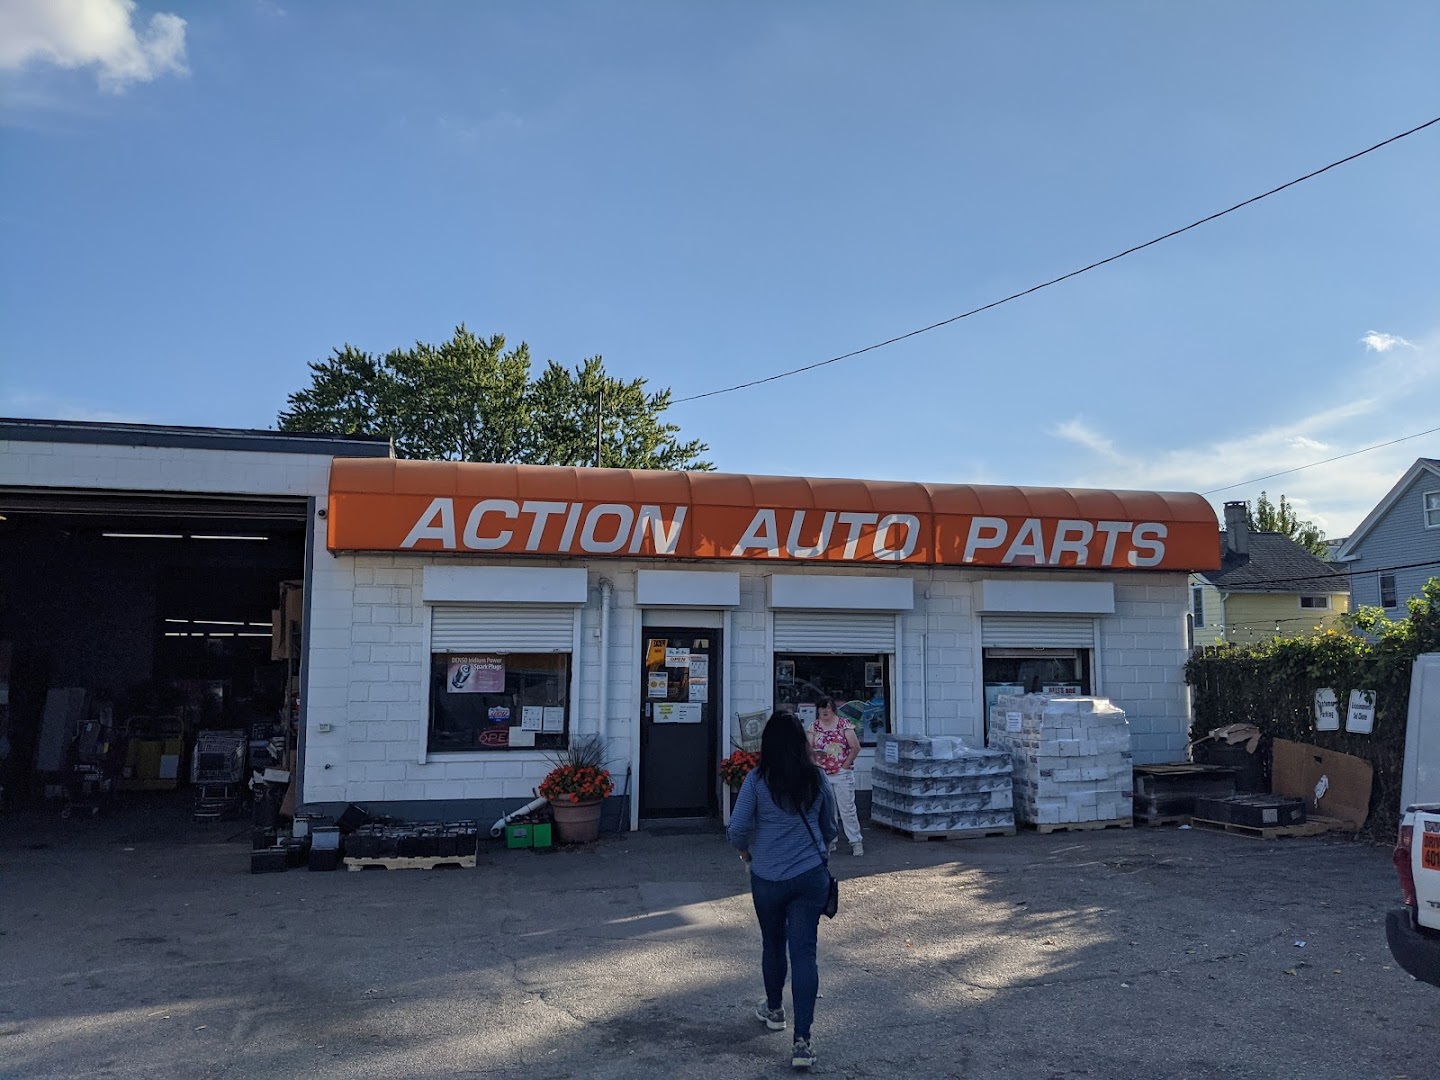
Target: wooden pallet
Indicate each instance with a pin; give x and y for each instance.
(952, 834)
(418, 863)
(1079, 826)
(1162, 819)
(1314, 827)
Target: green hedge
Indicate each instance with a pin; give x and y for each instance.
(1272, 685)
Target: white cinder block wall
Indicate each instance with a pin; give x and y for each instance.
(368, 667)
(1142, 664)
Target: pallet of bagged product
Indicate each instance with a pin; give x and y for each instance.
(970, 803)
(938, 788)
(1072, 761)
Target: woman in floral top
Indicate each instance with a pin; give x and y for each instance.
(835, 747)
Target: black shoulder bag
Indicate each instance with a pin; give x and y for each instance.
(832, 896)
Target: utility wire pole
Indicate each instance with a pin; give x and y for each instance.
(599, 423)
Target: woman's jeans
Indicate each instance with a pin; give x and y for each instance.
(789, 914)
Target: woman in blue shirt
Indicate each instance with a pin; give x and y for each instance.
(783, 823)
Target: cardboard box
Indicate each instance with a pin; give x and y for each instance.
(1331, 784)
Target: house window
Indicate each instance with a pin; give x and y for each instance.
(859, 683)
(1320, 603)
(1197, 605)
(499, 701)
(1432, 509)
(1387, 591)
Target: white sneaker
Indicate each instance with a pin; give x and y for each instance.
(857, 848)
(832, 847)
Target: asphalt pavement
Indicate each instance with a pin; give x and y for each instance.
(141, 946)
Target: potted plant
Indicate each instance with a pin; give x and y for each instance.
(736, 767)
(577, 785)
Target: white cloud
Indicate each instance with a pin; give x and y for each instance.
(1378, 342)
(1077, 431)
(92, 33)
(1335, 495)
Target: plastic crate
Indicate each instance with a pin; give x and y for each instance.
(519, 836)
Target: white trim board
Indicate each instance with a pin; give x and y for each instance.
(505, 585)
(827, 592)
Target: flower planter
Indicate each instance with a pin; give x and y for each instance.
(578, 822)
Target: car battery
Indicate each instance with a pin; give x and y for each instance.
(352, 818)
(324, 848)
(297, 849)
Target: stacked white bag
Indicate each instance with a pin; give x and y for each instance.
(931, 785)
(1072, 758)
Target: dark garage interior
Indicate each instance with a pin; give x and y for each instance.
(135, 628)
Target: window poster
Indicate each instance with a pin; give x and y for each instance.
(806, 712)
(678, 712)
(658, 684)
(553, 719)
(520, 737)
(475, 675)
(655, 652)
(699, 678)
(531, 717)
(677, 657)
(874, 674)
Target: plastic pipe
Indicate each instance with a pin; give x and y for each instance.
(602, 723)
(530, 807)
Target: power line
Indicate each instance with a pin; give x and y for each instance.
(1063, 277)
(1318, 579)
(1327, 461)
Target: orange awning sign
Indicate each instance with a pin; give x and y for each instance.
(484, 509)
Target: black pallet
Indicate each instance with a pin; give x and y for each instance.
(1253, 811)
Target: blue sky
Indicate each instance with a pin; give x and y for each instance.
(201, 198)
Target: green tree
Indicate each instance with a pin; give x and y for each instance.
(1266, 516)
(471, 399)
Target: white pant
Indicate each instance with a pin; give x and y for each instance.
(842, 784)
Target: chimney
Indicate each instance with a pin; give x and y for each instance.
(1237, 528)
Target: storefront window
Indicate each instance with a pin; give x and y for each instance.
(860, 685)
(489, 701)
(1036, 671)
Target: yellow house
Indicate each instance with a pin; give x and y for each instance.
(1267, 586)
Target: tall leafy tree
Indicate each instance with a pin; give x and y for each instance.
(472, 399)
(1266, 516)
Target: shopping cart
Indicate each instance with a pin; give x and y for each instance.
(217, 772)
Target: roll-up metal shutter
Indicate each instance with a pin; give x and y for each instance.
(1037, 632)
(496, 628)
(833, 632)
